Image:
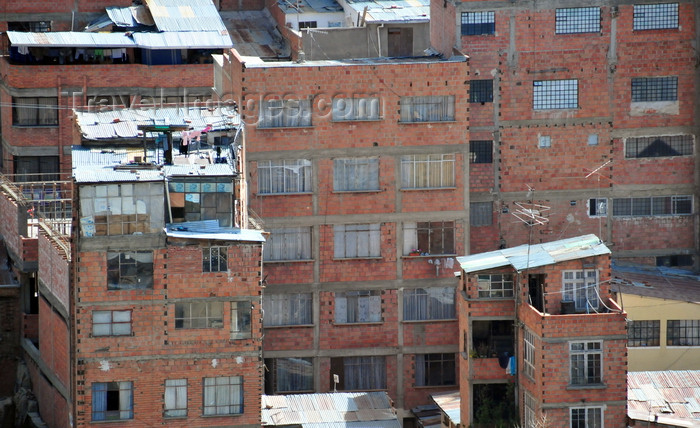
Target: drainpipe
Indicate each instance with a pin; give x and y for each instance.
(379, 41)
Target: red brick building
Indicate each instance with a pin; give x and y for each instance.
(539, 328)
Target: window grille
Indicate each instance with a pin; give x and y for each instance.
(643, 333)
(653, 206)
(662, 146)
(648, 89)
(544, 141)
(578, 20)
(476, 23)
(480, 213)
(555, 94)
(481, 91)
(655, 16)
(481, 151)
(683, 332)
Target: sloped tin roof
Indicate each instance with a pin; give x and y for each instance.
(186, 15)
(667, 397)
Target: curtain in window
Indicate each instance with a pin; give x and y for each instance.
(364, 373)
(287, 309)
(48, 111)
(176, 397)
(420, 370)
(294, 374)
(356, 240)
(223, 395)
(427, 109)
(356, 174)
(99, 401)
(429, 303)
(25, 111)
(289, 243)
(125, 400)
(285, 113)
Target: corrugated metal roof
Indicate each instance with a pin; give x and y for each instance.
(668, 397)
(186, 15)
(449, 403)
(657, 282)
(171, 40)
(183, 40)
(330, 410)
(210, 229)
(301, 6)
(378, 11)
(536, 255)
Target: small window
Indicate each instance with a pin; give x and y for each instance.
(429, 237)
(683, 333)
(495, 286)
(112, 401)
(430, 303)
(555, 94)
(30, 26)
(675, 260)
(130, 270)
(585, 417)
(598, 207)
(175, 398)
(481, 151)
(35, 111)
(358, 307)
(661, 146)
(476, 23)
(544, 141)
(223, 395)
(288, 243)
(307, 24)
(356, 108)
(289, 375)
(592, 139)
(481, 91)
(649, 89)
(655, 16)
(643, 333)
(578, 20)
(288, 113)
(427, 171)
(356, 174)
(428, 109)
(481, 213)
(435, 370)
(359, 373)
(241, 311)
(111, 323)
(586, 363)
(287, 309)
(215, 259)
(356, 241)
(284, 176)
(199, 315)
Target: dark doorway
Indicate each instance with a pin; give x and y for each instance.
(535, 294)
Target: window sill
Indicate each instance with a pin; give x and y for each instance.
(110, 421)
(284, 194)
(353, 324)
(223, 415)
(240, 336)
(358, 191)
(680, 346)
(427, 321)
(289, 261)
(648, 347)
(451, 385)
(481, 299)
(174, 417)
(552, 110)
(35, 126)
(592, 386)
(341, 259)
(288, 326)
(357, 120)
(272, 128)
(427, 256)
(427, 122)
(416, 189)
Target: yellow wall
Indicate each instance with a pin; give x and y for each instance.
(641, 308)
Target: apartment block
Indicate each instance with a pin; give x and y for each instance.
(589, 110)
(539, 327)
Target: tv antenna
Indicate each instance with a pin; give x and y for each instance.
(531, 213)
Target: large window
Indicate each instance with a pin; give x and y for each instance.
(355, 174)
(481, 151)
(431, 303)
(435, 370)
(495, 286)
(429, 237)
(356, 108)
(586, 417)
(111, 323)
(215, 259)
(201, 198)
(578, 20)
(586, 363)
(529, 353)
(481, 213)
(287, 309)
(359, 373)
(428, 109)
(476, 23)
(288, 243)
(284, 176)
(655, 16)
(643, 333)
(427, 171)
(481, 91)
(652, 147)
(285, 113)
(555, 94)
(581, 287)
(36, 168)
(175, 398)
(289, 375)
(112, 401)
(647, 89)
(241, 319)
(129, 270)
(356, 240)
(358, 306)
(35, 111)
(199, 315)
(683, 332)
(223, 395)
(653, 206)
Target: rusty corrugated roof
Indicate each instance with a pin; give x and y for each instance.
(668, 397)
(657, 282)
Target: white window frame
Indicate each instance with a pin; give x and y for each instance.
(287, 309)
(429, 238)
(288, 243)
(175, 398)
(477, 23)
(434, 108)
(581, 287)
(352, 241)
(111, 323)
(241, 319)
(529, 353)
(544, 141)
(486, 283)
(287, 176)
(222, 395)
(591, 419)
(288, 113)
(529, 413)
(430, 171)
(198, 315)
(576, 20)
(429, 303)
(659, 16)
(361, 306)
(555, 94)
(582, 360)
(356, 174)
(598, 207)
(215, 259)
(653, 206)
(356, 109)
